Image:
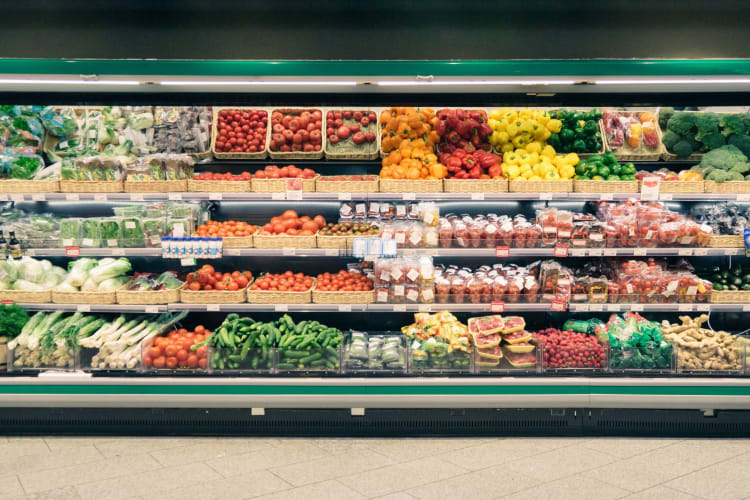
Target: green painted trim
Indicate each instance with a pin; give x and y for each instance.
(499, 68)
(448, 390)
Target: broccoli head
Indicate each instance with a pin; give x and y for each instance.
(732, 124)
(711, 141)
(723, 158)
(669, 139)
(740, 168)
(735, 176)
(682, 123)
(707, 123)
(683, 147)
(664, 115)
(741, 142)
(718, 176)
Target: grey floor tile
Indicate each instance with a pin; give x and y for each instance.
(403, 450)
(480, 484)
(210, 449)
(401, 476)
(284, 454)
(327, 490)
(626, 447)
(148, 484)
(249, 485)
(317, 470)
(660, 492)
(724, 480)
(50, 460)
(559, 463)
(573, 488)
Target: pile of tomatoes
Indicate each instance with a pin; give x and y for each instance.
(301, 131)
(207, 278)
(241, 131)
(357, 126)
(291, 224)
(289, 171)
(216, 176)
(226, 229)
(284, 282)
(343, 281)
(173, 350)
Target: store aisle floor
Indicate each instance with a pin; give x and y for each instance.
(394, 469)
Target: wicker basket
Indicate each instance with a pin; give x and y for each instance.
(239, 241)
(155, 186)
(92, 186)
(212, 296)
(411, 186)
(341, 242)
(19, 186)
(279, 185)
(517, 186)
(284, 241)
(475, 185)
(367, 297)
(729, 297)
(587, 186)
(729, 187)
(298, 155)
(218, 186)
(84, 297)
(26, 296)
(148, 296)
(270, 297)
(353, 155)
(236, 156)
(726, 241)
(682, 187)
(324, 184)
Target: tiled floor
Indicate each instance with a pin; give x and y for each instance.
(393, 469)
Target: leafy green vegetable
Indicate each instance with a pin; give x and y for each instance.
(12, 320)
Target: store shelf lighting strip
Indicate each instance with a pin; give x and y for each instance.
(338, 83)
(41, 81)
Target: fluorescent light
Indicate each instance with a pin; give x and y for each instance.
(398, 83)
(341, 83)
(40, 81)
(673, 81)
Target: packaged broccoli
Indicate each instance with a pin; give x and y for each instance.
(90, 233)
(70, 232)
(153, 230)
(60, 123)
(132, 233)
(110, 233)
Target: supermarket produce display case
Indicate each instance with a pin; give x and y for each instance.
(329, 390)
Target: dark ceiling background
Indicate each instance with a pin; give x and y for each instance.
(387, 29)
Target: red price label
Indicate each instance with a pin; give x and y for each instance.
(72, 251)
(7, 302)
(497, 306)
(558, 305)
(561, 251)
(502, 251)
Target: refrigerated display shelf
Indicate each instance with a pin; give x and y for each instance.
(79, 389)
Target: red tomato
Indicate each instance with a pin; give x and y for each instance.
(159, 362)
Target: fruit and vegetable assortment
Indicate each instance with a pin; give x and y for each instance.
(438, 342)
(631, 132)
(579, 132)
(241, 131)
(666, 175)
(178, 349)
(208, 278)
(343, 281)
(465, 129)
(285, 172)
(349, 228)
(413, 159)
(373, 353)
(399, 124)
(636, 343)
(732, 279)
(283, 282)
(688, 132)
(351, 131)
(476, 164)
(296, 130)
(570, 350)
(291, 224)
(701, 349)
(225, 229)
(604, 168)
(497, 338)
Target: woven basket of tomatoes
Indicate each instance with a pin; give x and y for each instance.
(208, 286)
(284, 288)
(289, 230)
(343, 287)
(215, 182)
(274, 179)
(240, 133)
(175, 350)
(233, 234)
(296, 133)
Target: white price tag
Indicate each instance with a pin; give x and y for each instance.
(685, 252)
(703, 307)
(213, 307)
(136, 197)
(613, 307)
(665, 197)
(745, 307)
(636, 307)
(175, 196)
(424, 308)
(3, 197)
(640, 252)
(294, 195)
(596, 307)
(477, 196)
(16, 197)
(331, 252)
(701, 252)
(83, 308)
(606, 197)
(580, 307)
(345, 196)
(408, 196)
(743, 197)
(409, 251)
(118, 252)
(345, 308)
(38, 197)
(103, 197)
(72, 197)
(188, 261)
(685, 307)
(232, 252)
(278, 196)
(399, 307)
(610, 252)
(545, 196)
(650, 188)
(215, 196)
(577, 252)
(281, 307)
(151, 309)
(596, 252)
(730, 251)
(288, 251)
